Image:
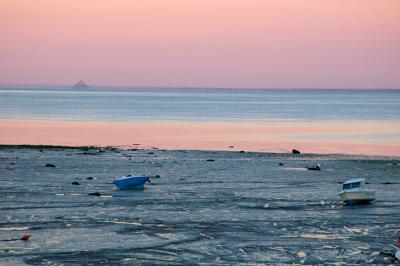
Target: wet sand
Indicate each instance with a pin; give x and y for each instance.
(207, 207)
(371, 138)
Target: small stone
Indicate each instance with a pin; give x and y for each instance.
(50, 165)
(75, 183)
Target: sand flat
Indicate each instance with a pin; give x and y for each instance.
(207, 206)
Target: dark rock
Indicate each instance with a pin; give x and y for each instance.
(75, 183)
(387, 183)
(241, 151)
(89, 153)
(151, 153)
(94, 194)
(50, 165)
(294, 151)
(156, 176)
(281, 164)
(210, 160)
(89, 178)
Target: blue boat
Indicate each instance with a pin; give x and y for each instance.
(128, 182)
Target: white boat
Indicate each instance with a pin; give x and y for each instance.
(355, 191)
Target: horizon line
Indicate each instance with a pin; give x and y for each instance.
(22, 85)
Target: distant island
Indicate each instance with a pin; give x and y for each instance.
(80, 85)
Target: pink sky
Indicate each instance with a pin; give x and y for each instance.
(211, 43)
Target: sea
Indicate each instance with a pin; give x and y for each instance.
(202, 207)
(203, 105)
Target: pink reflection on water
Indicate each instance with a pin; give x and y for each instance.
(373, 138)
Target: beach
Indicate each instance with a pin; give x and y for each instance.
(201, 207)
(207, 132)
(225, 187)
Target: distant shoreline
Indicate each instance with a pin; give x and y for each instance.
(133, 148)
(189, 88)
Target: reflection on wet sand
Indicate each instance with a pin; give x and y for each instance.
(373, 138)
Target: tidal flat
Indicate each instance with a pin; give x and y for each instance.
(201, 207)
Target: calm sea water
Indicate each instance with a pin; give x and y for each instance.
(123, 105)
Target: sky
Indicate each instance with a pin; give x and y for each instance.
(202, 43)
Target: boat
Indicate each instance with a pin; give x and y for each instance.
(355, 191)
(80, 85)
(129, 181)
(315, 167)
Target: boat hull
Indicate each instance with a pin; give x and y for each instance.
(135, 182)
(357, 197)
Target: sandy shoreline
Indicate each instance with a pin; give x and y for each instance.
(322, 138)
(204, 206)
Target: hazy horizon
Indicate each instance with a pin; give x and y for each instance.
(256, 44)
(107, 86)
